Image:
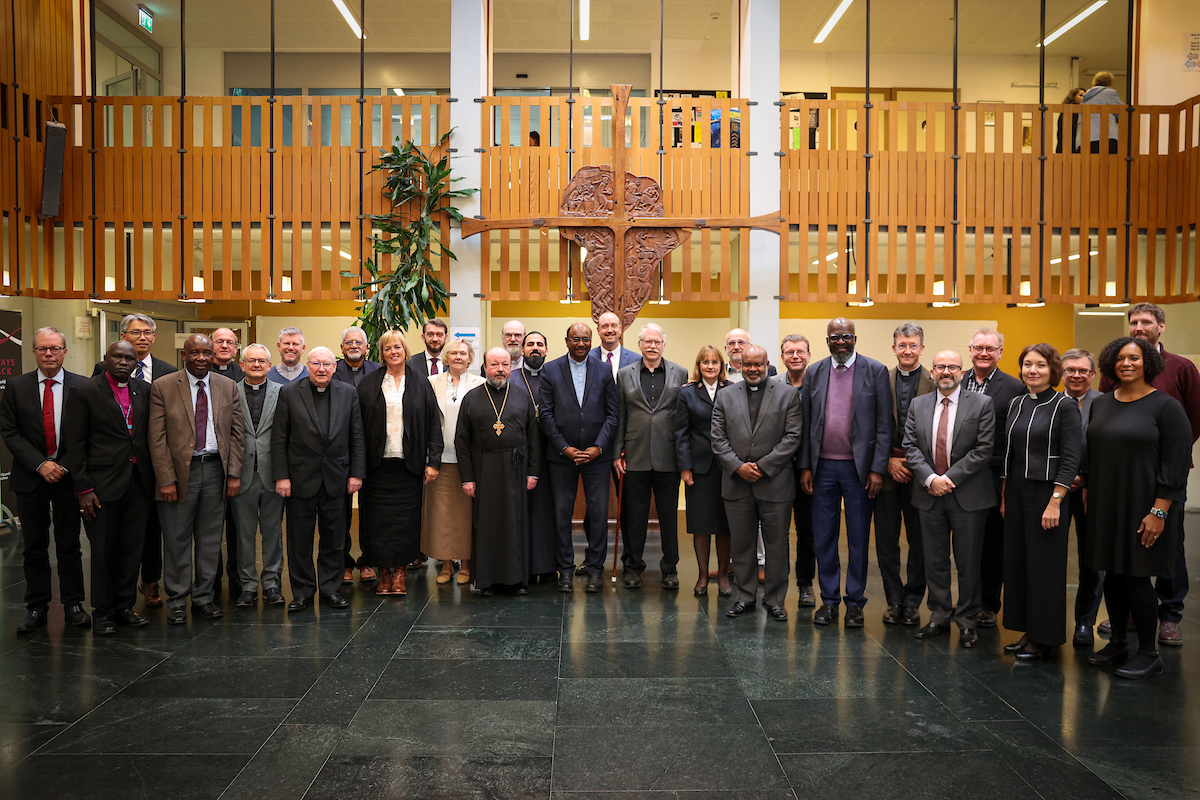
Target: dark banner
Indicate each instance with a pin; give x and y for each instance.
(10, 367)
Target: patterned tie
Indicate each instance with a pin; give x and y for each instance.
(609, 359)
(48, 417)
(201, 417)
(941, 458)
(138, 372)
(1080, 401)
(433, 367)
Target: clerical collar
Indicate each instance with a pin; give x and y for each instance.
(533, 372)
(321, 389)
(223, 367)
(353, 368)
(122, 385)
(908, 373)
(256, 387)
(289, 372)
(753, 388)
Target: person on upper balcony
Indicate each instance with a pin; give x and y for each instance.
(1101, 94)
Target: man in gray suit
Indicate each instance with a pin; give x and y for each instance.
(645, 447)
(756, 430)
(948, 437)
(1079, 370)
(257, 506)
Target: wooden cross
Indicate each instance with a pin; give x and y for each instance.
(620, 222)
(498, 427)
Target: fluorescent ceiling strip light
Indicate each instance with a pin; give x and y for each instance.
(1071, 23)
(341, 253)
(833, 20)
(585, 20)
(353, 23)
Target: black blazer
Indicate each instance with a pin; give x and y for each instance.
(23, 431)
(693, 428)
(1053, 436)
(100, 449)
(422, 421)
(1002, 388)
(564, 422)
(233, 372)
(300, 453)
(158, 368)
(342, 372)
(418, 364)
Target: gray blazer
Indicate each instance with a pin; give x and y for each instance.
(970, 451)
(771, 442)
(647, 435)
(256, 453)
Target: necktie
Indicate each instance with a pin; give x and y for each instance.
(201, 417)
(433, 367)
(941, 458)
(609, 360)
(48, 417)
(138, 372)
(1080, 401)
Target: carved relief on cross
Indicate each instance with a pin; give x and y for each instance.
(596, 215)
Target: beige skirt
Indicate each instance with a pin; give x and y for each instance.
(446, 517)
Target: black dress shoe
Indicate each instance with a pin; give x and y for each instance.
(826, 615)
(35, 618)
(300, 604)
(986, 619)
(208, 610)
(739, 609)
(564, 583)
(130, 619)
(274, 597)
(1143, 665)
(1111, 653)
(1083, 636)
(807, 598)
(77, 616)
(670, 581)
(700, 591)
(176, 616)
(633, 580)
(521, 591)
(967, 637)
(1032, 651)
(893, 615)
(931, 630)
(103, 626)
(912, 617)
(725, 591)
(595, 583)
(1017, 645)
(854, 617)
(778, 613)
(335, 600)
(247, 599)
(486, 592)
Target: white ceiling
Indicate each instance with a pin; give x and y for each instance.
(902, 27)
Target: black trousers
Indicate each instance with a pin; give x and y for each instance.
(51, 502)
(305, 516)
(1173, 589)
(806, 555)
(991, 562)
(1035, 562)
(1091, 581)
(152, 555)
(893, 505)
(117, 539)
(564, 478)
(635, 513)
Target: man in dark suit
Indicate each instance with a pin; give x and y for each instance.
(106, 435)
(848, 425)
(984, 377)
(908, 380)
(948, 439)
(225, 350)
(141, 331)
(196, 433)
(736, 342)
(756, 430)
(543, 536)
(1079, 370)
(795, 352)
(352, 367)
(578, 412)
(318, 457)
(429, 361)
(31, 425)
(647, 392)
(610, 352)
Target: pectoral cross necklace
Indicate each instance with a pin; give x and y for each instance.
(499, 426)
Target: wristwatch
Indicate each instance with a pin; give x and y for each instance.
(1057, 495)
(1158, 512)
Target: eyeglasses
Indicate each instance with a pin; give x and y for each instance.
(991, 351)
(951, 368)
(1077, 372)
(742, 342)
(840, 337)
(142, 334)
(908, 348)
(354, 343)
(256, 361)
(579, 339)
(652, 342)
(55, 350)
(320, 365)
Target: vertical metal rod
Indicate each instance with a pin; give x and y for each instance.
(954, 222)
(570, 294)
(1130, 78)
(362, 102)
(93, 218)
(271, 169)
(184, 255)
(867, 156)
(17, 219)
(1041, 249)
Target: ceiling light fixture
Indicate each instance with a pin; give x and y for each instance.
(353, 23)
(341, 253)
(833, 20)
(1073, 21)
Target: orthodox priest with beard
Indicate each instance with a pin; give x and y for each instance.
(543, 535)
(498, 455)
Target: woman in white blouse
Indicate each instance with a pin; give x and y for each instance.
(446, 530)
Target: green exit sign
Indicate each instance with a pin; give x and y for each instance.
(146, 19)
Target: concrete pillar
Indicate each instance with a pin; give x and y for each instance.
(470, 77)
(756, 39)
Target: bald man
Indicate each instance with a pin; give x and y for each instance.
(610, 352)
(736, 342)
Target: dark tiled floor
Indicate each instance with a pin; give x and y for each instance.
(645, 695)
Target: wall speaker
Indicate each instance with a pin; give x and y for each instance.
(52, 172)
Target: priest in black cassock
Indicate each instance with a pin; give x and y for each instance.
(498, 456)
(543, 531)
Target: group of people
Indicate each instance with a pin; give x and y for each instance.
(1100, 93)
(984, 472)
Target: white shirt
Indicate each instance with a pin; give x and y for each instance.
(952, 410)
(711, 388)
(210, 433)
(616, 359)
(393, 395)
(56, 392)
(430, 360)
(454, 398)
(147, 368)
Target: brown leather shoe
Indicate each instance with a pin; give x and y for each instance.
(384, 587)
(762, 575)
(446, 574)
(151, 595)
(1169, 633)
(398, 581)
(464, 572)
(348, 577)
(366, 575)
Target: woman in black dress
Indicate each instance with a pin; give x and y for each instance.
(403, 429)
(1045, 440)
(699, 470)
(1139, 449)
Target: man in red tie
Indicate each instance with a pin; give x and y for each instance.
(948, 437)
(31, 426)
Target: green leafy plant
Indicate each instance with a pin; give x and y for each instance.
(419, 190)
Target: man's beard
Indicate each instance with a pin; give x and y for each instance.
(514, 352)
(498, 381)
(841, 358)
(535, 360)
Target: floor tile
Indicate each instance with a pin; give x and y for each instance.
(106, 777)
(468, 679)
(904, 722)
(1170, 773)
(426, 778)
(624, 702)
(691, 627)
(476, 728)
(1042, 762)
(424, 642)
(673, 658)
(285, 766)
(229, 676)
(495, 612)
(888, 776)
(798, 677)
(54, 697)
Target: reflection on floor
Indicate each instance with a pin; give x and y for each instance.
(621, 695)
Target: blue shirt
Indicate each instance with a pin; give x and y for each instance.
(578, 377)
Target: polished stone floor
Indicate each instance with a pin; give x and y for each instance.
(625, 695)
